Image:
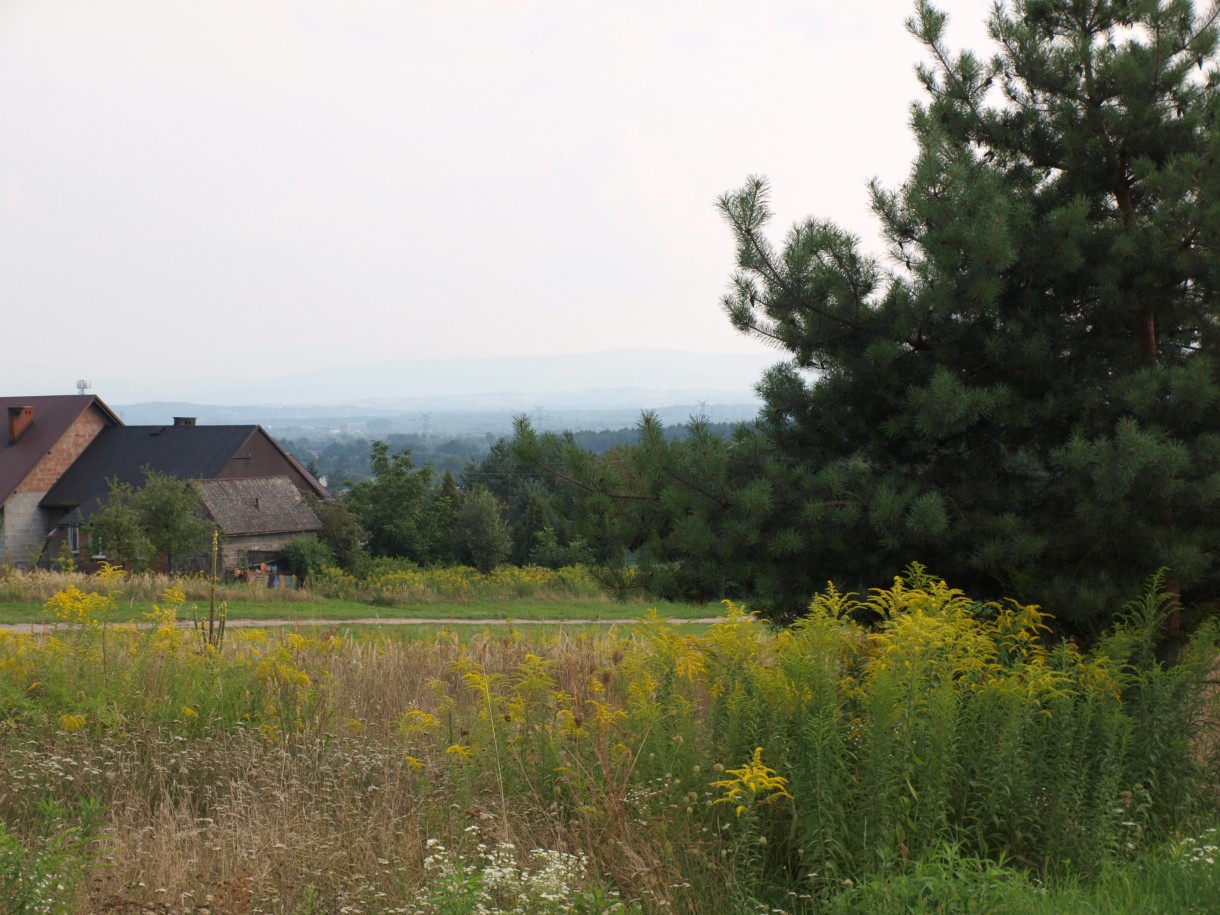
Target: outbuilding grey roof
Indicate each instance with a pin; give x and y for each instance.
(266, 505)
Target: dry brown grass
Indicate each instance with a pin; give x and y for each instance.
(237, 821)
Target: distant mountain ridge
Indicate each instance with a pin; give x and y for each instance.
(468, 395)
(615, 377)
(356, 421)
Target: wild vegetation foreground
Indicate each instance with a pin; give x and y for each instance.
(909, 751)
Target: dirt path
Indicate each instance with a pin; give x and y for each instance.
(43, 628)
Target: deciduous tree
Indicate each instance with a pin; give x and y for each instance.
(390, 504)
(115, 531)
(342, 533)
(161, 518)
(171, 518)
(482, 535)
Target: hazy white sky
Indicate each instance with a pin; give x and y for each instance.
(257, 187)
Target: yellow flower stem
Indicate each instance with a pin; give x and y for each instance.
(485, 683)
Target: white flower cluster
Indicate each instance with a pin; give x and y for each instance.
(497, 883)
(1201, 849)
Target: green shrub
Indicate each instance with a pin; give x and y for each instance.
(307, 557)
(34, 882)
(945, 882)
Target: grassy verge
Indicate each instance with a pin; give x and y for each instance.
(389, 593)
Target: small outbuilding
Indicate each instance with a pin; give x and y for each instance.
(257, 518)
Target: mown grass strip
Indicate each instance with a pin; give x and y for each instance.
(339, 610)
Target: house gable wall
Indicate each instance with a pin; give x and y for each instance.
(26, 524)
(260, 457)
(62, 454)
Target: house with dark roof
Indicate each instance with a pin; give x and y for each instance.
(259, 509)
(45, 436)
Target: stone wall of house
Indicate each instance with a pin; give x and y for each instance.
(25, 528)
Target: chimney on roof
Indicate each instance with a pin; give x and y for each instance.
(184, 420)
(19, 419)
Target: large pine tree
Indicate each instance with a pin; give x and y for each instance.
(1023, 395)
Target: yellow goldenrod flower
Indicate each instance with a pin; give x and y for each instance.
(753, 783)
(416, 721)
(71, 722)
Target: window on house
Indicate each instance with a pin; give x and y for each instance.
(73, 539)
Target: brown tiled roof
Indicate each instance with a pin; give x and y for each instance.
(266, 505)
(53, 416)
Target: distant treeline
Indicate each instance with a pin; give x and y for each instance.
(343, 461)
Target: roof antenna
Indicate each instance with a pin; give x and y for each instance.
(83, 385)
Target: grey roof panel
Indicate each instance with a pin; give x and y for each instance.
(264, 505)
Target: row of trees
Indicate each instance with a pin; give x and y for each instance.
(504, 512)
(406, 513)
(349, 460)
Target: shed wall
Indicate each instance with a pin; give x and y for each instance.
(235, 550)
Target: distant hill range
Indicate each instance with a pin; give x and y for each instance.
(464, 395)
